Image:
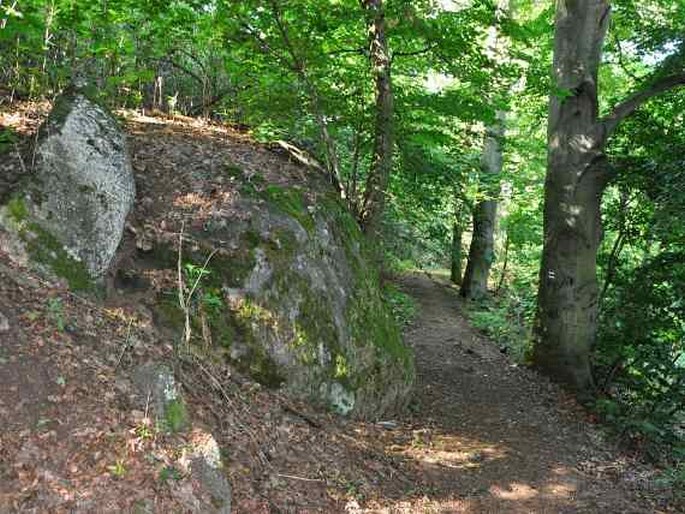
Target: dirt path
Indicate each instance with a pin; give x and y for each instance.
(489, 436)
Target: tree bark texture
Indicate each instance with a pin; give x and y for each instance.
(482, 249)
(456, 253)
(577, 174)
(381, 162)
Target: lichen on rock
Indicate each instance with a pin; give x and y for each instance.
(68, 215)
(306, 312)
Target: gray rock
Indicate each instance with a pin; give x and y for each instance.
(201, 460)
(156, 388)
(81, 190)
(301, 307)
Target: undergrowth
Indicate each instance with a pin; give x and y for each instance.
(506, 319)
(402, 306)
(7, 139)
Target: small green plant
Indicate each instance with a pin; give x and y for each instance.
(212, 299)
(169, 473)
(56, 311)
(144, 430)
(118, 469)
(402, 306)
(194, 273)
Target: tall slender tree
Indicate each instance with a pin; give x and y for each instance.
(482, 249)
(381, 162)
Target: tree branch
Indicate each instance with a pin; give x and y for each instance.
(415, 52)
(634, 101)
(359, 51)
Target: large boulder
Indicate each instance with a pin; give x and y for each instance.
(289, 296)
(69, 215)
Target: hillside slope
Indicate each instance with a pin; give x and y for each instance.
(481, 435)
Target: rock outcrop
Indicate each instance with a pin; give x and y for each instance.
(69, 214)
(284, 286)
(290, 298)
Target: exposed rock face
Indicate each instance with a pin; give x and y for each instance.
(288, 294)
(297, 305)
(70, 215)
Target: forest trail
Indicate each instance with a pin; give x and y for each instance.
(495, 437)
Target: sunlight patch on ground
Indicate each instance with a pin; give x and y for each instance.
(450, 451)
(516, 491)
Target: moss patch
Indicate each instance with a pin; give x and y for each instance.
(175, 415)
(45, 249)
(292, 202)
(16, 208)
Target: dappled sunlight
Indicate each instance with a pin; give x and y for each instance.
(450, 451)
(515, 491)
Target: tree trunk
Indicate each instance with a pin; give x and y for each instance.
(381, 163)
(577, 174)
(456, 253)
(482, 249)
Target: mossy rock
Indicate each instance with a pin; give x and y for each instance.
(298, 306)
(44, 249)
(68, 215)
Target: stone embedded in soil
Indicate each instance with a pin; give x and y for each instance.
(4, 323)
(157, 388)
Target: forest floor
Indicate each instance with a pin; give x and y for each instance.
(481, 435)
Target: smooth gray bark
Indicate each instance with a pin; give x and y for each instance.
(482, 249)
(577, 175)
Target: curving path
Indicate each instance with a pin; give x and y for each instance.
(489, 436)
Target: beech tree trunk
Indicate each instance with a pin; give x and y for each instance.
(482, 249)
(381, 162)
(576, 177)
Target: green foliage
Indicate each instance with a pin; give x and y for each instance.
(506, 322)
(7, 139)
(640, 350)
(175, 416)
(402, 306)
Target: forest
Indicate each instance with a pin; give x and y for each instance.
(531, 152)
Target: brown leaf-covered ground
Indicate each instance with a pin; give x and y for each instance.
(482, 435)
